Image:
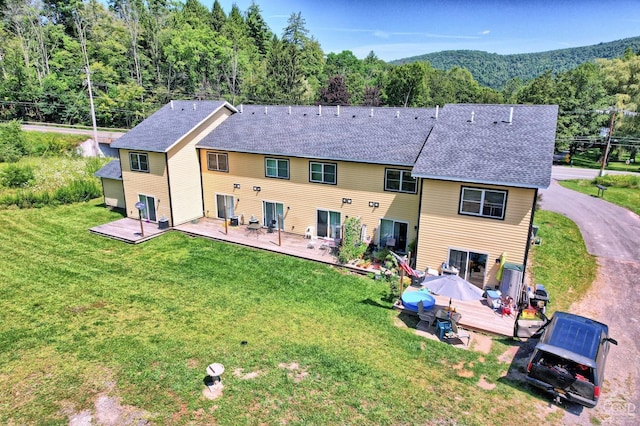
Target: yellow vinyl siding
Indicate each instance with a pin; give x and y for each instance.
(184, 171)
(113, 193)
(301, 199)
(153, 183)
(442, 228)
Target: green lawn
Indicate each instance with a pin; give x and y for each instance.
(82, 315)
(621, 190)
(561, 263)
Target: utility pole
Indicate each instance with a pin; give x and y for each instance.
(606, 150)
(93, 113)
(613, 111)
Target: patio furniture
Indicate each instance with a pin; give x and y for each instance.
(459, 333)
(494, 299)
(310, 233)
(426, 316)
(254, 228)
(442, 328)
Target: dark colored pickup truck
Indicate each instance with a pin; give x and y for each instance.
(568, 362)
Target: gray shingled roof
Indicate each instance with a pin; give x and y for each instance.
(165, 127)
(392, 136)
(489, 150)
(111, 170)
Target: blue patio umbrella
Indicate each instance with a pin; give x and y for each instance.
(453, 286)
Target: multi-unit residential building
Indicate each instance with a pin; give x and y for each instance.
(458, 183)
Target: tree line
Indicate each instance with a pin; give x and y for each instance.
(132, 56)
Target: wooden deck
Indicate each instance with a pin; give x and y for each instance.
(128, 230)
(476, 315)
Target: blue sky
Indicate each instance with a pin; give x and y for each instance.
(396, 29)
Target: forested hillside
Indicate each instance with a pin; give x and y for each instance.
(132, 56)
(494, 70)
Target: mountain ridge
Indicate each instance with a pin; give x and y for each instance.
(495, 70)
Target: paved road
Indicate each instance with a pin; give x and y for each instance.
(613, 235)
(104, 136)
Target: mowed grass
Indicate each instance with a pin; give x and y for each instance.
(623, 191)
(561, 263)
(83, 316)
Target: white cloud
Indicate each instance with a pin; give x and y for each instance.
(485, 32)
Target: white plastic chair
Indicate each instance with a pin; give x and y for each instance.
(310, 233)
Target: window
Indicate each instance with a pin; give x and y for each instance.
(322, 172)
(399, 181)
(217, 161)
(277, 168)
(483, 202)
(139, 162)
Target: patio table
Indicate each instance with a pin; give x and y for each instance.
(254, 228)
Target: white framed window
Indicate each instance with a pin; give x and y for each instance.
(217, 161)
(323, 172)
(277, 168)
(139, 162)
(398, 180)
(483, 202)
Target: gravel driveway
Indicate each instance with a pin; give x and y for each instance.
(613, 235)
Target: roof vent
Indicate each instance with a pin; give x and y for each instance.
(511, 115)
(472, 117)
(240, 108)
(397, 114)
(319, 109)
(338, 111)
(265, 110)
(171, 104)
(437, 110)
(371, 113)
(289, 109)
(194, 106)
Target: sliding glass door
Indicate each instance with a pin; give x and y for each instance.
(271, 212)
(393, 234)
(149, 211)
(472, 265)
(328, 224)
(224, 202)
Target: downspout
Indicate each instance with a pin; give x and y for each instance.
(199, 151)
(166, 159)
(526, 252)
(415, 255)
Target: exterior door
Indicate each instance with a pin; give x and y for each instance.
(393, 234)
(328, 224)
(149, 211)
(271, 212)
(471, 266)
(222, 202)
